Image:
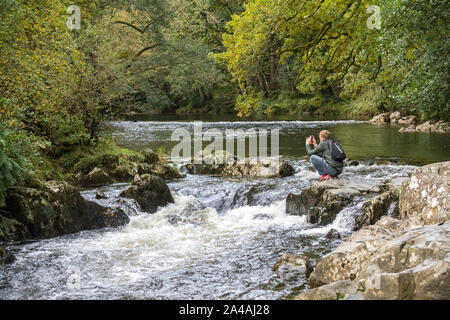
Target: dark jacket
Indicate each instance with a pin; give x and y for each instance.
(323, 150)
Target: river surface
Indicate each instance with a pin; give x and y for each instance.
(222, 236)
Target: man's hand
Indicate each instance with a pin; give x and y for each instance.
(308, 140)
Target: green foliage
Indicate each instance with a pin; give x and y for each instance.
(12, 162)
(416, 42)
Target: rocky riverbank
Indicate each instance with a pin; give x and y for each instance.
(401, 256)
(57, 208)
(410, 123)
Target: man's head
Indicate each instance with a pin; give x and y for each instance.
(324, 134)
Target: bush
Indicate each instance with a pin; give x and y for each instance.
(12, 164)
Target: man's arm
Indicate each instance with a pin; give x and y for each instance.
(317, 150)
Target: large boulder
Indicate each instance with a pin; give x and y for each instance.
(380, 119)
(394, 117)
(56, 210)
(95, 178)
(293, 266)
(392, 259)
(322, 201)
(149, 193)
(222, 163)
(427, 194)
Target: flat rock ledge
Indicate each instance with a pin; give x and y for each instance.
(404, 258)
(323, 201)
(225, 164)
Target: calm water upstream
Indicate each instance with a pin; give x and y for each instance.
(221, 237)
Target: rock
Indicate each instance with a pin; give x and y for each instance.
(165, 172)
(262, 216)
(293, 266)
(224, 164)
(410, 120)
(427, 194)
(101, 195)
(351, 163)
(334, 291)
(115, 217)
(150, 157)
(122, 173)
(322, 201)
(411, 128)
(425, 127)
(442, 127)
(394, 117)
(392, 259)
(96, 178)
(11, 229)
(150, 194)
(137, 180)
(333, 234)
(373, 209)
(6, 257)
(56, 210)
(285, 169)
(380, 119)
(428, 127)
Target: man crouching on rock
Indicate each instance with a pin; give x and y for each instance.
(321, 158)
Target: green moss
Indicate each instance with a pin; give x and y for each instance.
(340, 296)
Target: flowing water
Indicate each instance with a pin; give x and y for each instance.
(221, 237)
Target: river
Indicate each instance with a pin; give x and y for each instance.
(222, 236)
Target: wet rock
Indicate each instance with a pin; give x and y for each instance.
(427, 194)
(322, 201)
(285, 169)
(380, 119)
(150, 194)
(373, 209)
(351, 163)
(394, 117)
(96, 178)
(262, 216)
(293, 266)
(115, 217)
(409, 120)
(333, 234)
(334, 291)
(6, 257)
(56, 210)
(392, 259)
(11, 229)
(101, 195)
